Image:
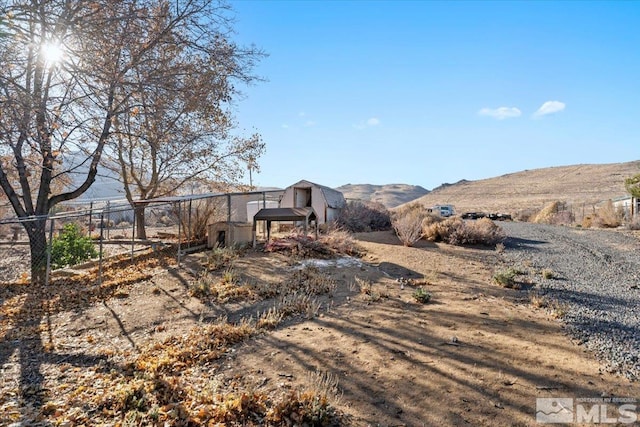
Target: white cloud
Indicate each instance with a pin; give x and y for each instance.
(309, 123)
(370, 122)
(285, 126)
(500, 113)
(302, 114)
(549, 107)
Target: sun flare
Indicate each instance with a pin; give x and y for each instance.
(52, 52)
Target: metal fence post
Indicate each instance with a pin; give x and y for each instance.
(90, 217)
(188, 231)
(49, 249)
(108, 218)
(179, 231)
(133, 233)
(101, 237)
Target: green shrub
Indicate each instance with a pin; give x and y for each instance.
(547, 273)
(71, 247)
(421, 295)
(507, 278)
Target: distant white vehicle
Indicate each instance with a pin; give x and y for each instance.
(443, 210)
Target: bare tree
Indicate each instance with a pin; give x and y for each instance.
(70, 69)
(178, 126)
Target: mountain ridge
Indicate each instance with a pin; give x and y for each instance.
(390, 195)
(584, 185)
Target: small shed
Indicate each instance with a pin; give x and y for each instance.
(227, 234)
(325, 201)
(306, 215)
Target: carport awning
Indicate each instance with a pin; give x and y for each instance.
(285, 214)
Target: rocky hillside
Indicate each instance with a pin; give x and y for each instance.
(390, 195)
(582, 186)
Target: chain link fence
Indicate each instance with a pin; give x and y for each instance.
(169, 227)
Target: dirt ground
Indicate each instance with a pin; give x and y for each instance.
(476, 354)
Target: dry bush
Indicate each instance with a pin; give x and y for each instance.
(407, 223)
(431, 218)
(480, 232)
(341, 241)
(546, 213)
(440, 231)
(634, 224)
(458, 232)
(203, 212)
(525, 215)
(298, 245)
(563, 218)
(608, 216)
(407, 209)
(360, 216)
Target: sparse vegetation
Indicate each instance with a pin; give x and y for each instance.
(221, 257)
(507, 277)
(367, 289)
(547, 273)
(421, 295)
(538, 300)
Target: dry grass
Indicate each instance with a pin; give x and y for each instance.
(555, 308)
(555, 212)
(341, 242)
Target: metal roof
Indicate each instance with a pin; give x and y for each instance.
(187, 197)
(285, 214)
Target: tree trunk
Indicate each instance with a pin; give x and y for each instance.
(141, 231)
(36, 230)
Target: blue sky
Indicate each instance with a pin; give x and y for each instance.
(429, 92)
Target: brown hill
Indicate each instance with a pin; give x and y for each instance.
(580, 186)
(390, 195)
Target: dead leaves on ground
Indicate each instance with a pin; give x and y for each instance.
(167, 383)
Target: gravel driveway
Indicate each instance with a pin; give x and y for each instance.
(597, 276)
